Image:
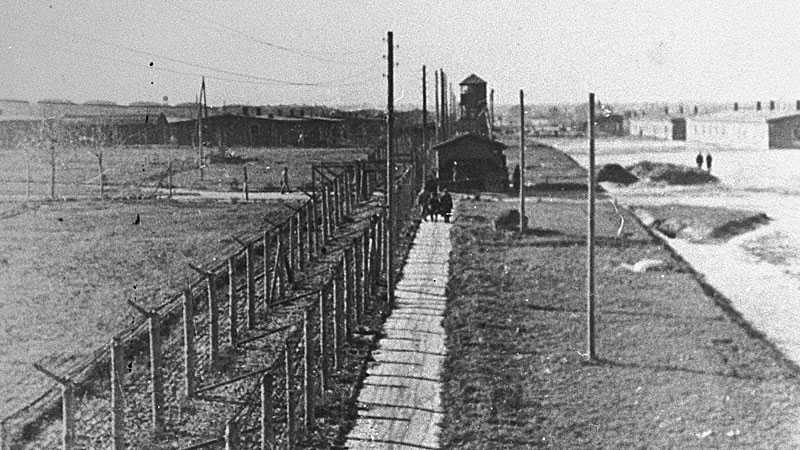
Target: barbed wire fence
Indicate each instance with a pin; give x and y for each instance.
(250, 345)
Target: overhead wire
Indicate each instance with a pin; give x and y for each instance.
(248, 76)
(300, 52)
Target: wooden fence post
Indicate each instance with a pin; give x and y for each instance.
(245, 186)
(337, 313)
(276, 270)
(338, 195)
(213, 320)
(157, 394)
(232, 435)
(309, 227)
(300, 242)
(315, 227)
(323, 345)
(250, 287)
(265, 259)
(346, 189)
(232, 306)
(287, 362)
(364, 270)
(357, 299)
(325, 211)
(188, 342)
(348, 293)
(308, 366)
(291, 241)
(67, 411)
(267, 436)
(117, 411)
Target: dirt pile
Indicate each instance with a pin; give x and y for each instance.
(697, 224)
(616, 174)
(670, 173)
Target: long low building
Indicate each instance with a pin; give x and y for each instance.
(746, 129)
(664, 127)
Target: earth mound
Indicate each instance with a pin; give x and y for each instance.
(671, 173)
(615, 173)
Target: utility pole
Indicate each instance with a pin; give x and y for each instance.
(390, 169)
(200, 127)
(590, 350)
(443, 93)
(521, 162)
(437, 122)
(491, 114)
(424, 127)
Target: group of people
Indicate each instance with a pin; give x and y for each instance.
(433, 204)
(699, 161)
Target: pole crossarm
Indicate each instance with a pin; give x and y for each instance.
(59, 379)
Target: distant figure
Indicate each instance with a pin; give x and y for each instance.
(699, 160)
(285, 180)
(423, 199)
(708, 162)
(137, 220)
(515, 178)
(445, 205)
(433, 206)
(455, 171)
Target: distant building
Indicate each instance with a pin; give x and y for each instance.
(663, 127)
(758, 129)
(472, 162)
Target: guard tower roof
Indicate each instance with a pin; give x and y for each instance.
(472, 79)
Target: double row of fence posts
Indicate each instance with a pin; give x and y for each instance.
(316, 345)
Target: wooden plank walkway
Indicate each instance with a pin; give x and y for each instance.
(399, 404)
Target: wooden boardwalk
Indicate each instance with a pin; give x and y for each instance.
(399, 404)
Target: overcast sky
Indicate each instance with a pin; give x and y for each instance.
(556, 50)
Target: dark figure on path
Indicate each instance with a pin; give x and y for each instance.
(423, 199)
(445, 205)
(285, 180)
(699, 160)
(433, 206)
(515, 178)
(708, 162)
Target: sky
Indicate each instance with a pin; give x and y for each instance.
(255, 52)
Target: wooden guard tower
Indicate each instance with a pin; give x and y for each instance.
(474, 114)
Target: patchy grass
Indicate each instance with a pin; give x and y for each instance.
(700, 223)
(69, 267)
(543, 164)
(135, 171)
(674, 369)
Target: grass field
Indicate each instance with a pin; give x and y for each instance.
(543, 164)
(674, 370)
(136, 171)
(69, 267)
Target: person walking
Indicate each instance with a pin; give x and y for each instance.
(423, 199)
(285, 180)
(708, 162)
(699, 160)
(446, 205)
(433, 206)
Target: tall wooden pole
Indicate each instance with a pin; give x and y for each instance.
(521, 161)
(443, 103)
(437, 122)
(590, 347)
(491, 114)
(424, 127)
(390, 168)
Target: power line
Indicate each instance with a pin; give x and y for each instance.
(296, 51)
(332, 83)
(193, 64)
